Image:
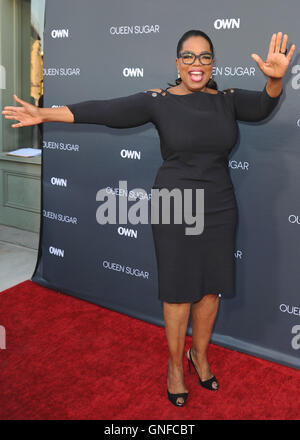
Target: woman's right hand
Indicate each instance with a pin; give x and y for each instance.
(27, 114)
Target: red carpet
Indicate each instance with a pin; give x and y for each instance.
(69, 359)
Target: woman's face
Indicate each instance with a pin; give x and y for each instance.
(194, 82)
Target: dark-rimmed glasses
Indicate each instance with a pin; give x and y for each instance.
(189, 57)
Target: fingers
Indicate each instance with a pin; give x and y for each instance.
(20, 100)
(283, 45)
(9, 113)
(276, 45)
(19, 124)
(257, 58)
(12, 117)
(272, 44)
(11, 108)
(278, 42)
(280, 46)
(290, 54)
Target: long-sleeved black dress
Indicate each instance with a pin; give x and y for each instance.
(197, 132)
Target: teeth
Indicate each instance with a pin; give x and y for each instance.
(196, 73)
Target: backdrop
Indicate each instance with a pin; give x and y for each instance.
(106, 49)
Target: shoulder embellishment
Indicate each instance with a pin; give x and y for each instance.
(155, 92)
(228, 91)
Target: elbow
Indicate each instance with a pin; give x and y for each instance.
(262, 116)
(71, 115)
(265, 113)
(257, 116)
(267, 106)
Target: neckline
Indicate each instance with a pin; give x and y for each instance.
(193, 93)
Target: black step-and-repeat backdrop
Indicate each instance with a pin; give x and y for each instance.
(101, 50)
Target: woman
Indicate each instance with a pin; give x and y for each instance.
(198, 129)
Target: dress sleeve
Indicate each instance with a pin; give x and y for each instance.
(123, 112)
(253, 105)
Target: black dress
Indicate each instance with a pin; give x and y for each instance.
(197, 133)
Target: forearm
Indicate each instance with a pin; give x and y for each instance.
(59, 114)
(121, 112)
(274, 87)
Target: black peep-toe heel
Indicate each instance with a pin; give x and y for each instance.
(204, 383)
(173, 397)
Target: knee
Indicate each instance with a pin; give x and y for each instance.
(211, 297)
(208, 301)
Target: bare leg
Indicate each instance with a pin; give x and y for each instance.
(203, 317)
(176, 319)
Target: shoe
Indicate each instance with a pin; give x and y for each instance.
(204, 383)
(173, 397)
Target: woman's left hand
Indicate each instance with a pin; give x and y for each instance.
(276, 63)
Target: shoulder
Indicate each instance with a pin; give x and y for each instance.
(154, 90)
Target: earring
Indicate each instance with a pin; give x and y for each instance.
(178, 75)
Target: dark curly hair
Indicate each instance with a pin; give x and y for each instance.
(195, 33)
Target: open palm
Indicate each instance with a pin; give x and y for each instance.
(27, 114)
(277, 62)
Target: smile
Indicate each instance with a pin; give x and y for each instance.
(196, 75)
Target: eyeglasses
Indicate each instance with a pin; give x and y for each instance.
(190, 57)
